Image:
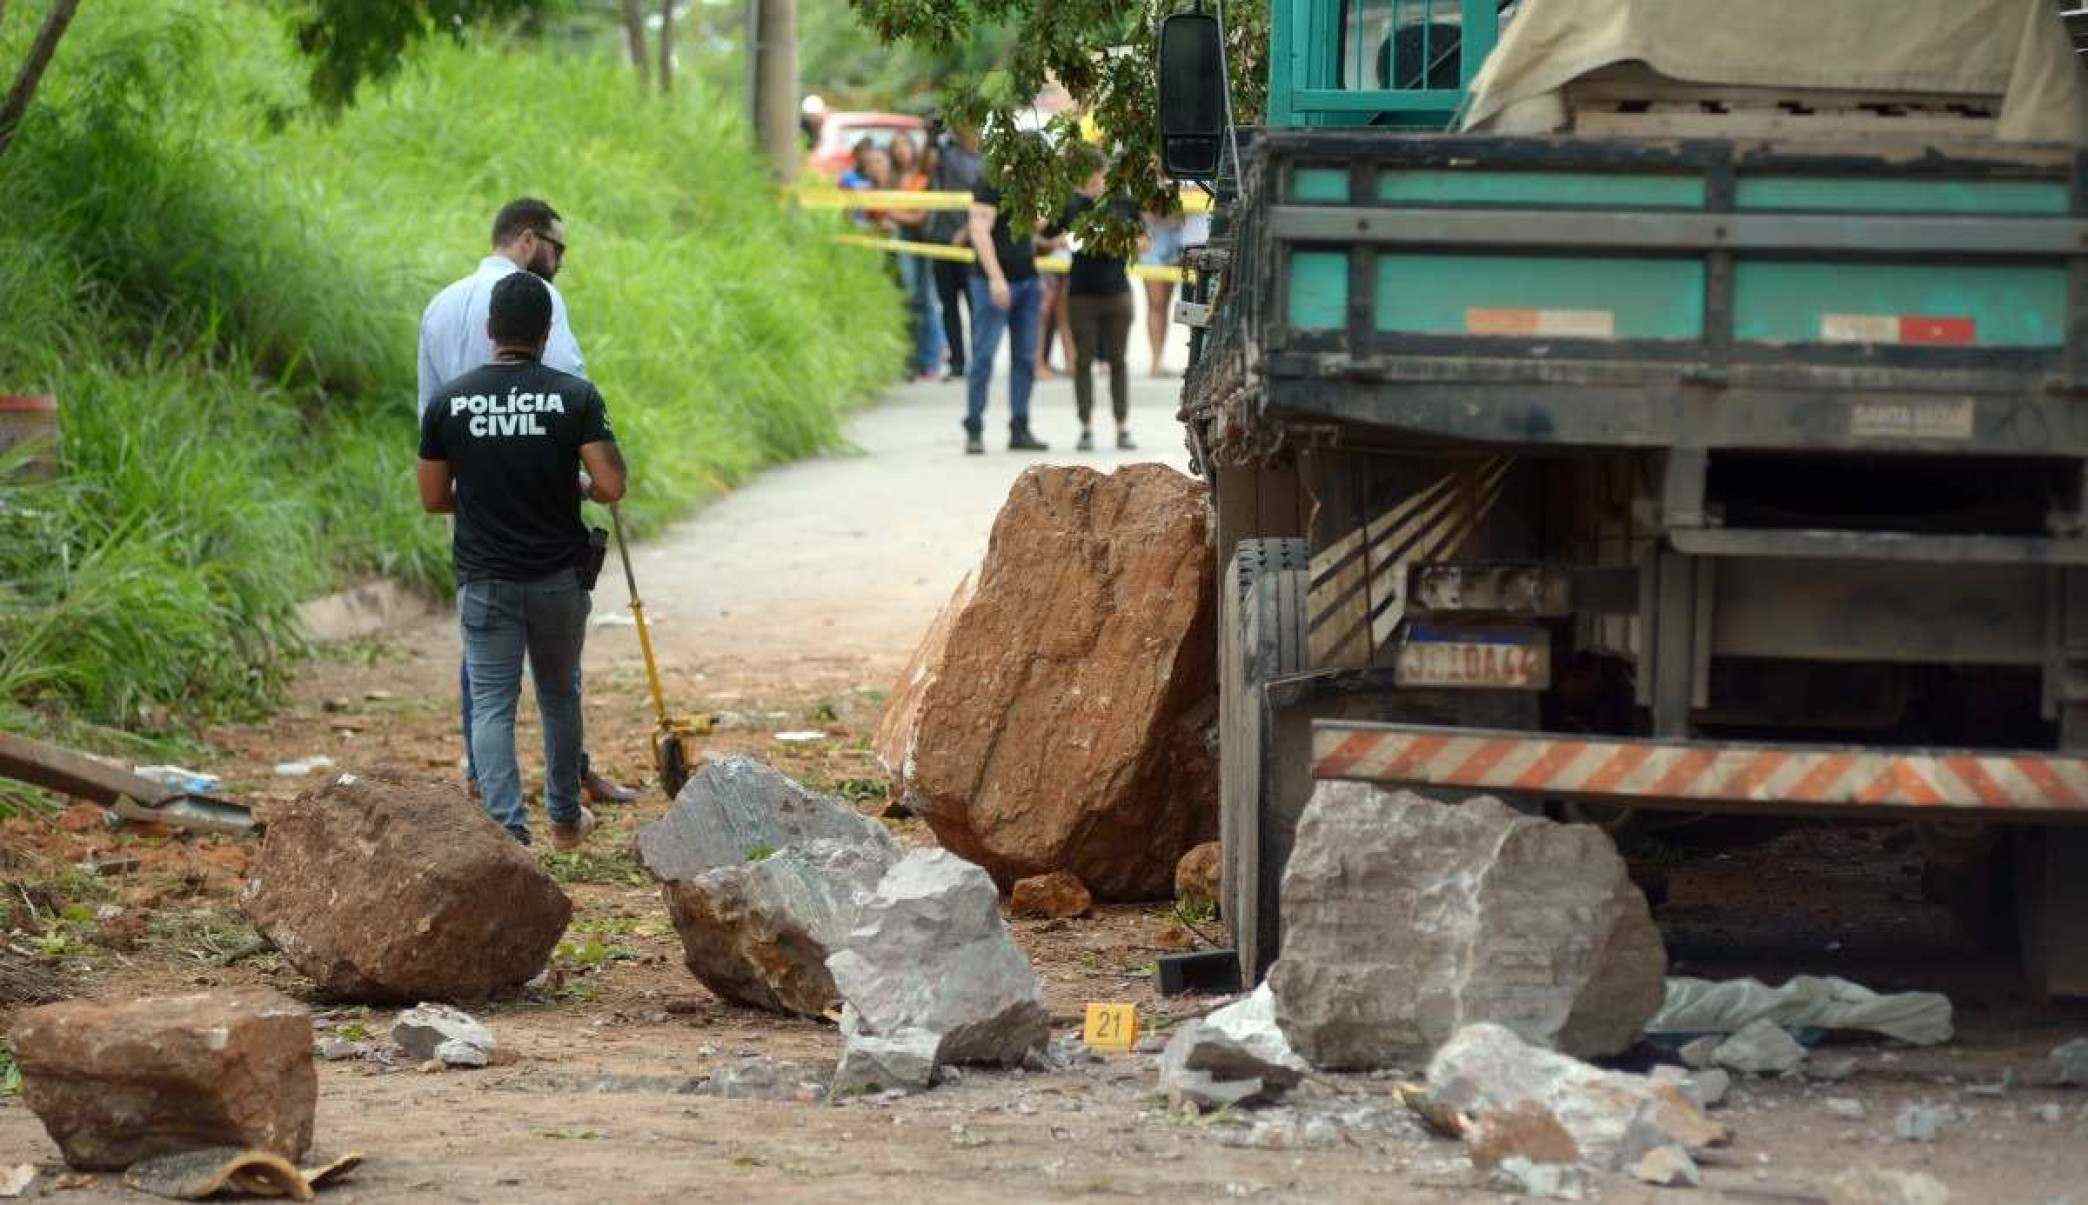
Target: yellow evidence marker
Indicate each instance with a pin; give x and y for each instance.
(1111, 1027)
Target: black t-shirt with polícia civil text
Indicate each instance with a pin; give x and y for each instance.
(1017, 256)
(512, 432)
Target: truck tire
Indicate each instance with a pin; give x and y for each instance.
(1261, 636)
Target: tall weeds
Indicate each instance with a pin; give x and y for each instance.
(224, 293)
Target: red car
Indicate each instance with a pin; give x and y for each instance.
(835, 151)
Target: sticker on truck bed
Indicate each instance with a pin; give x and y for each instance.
(1513, 658)
(1911, 420)
(1555, 324)
(1932, 330)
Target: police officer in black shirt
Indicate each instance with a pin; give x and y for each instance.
(502, 448)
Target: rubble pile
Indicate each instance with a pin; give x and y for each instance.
(1066, 723)
(115, 1083)
(1405, 920)
(763, 879)
(392, 889)
(931, 966)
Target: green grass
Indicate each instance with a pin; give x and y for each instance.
(224, 295)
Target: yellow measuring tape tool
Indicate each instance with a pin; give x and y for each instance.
(962, 255)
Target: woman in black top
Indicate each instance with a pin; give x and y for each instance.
(1098, 304)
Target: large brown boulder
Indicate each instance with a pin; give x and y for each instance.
(1067, 725)
(116, 1082)
(1406, 920)
(900, 725)
(389, 888)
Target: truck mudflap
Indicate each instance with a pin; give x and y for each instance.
(1705, 775)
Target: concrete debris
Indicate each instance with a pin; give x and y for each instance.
(394, 889)
(1920, 1122)
(1804, 1002)
(1668, 1167)
(1881, 1186)
(1762, 1048)
(902, 1061)
(118, 1082)
(1845, 1107)
(2069, 1064)
(1556, 1180)
(1059, 894)
(762, 878)
(1092, 616)
(1197, 875)
(449, 1035)
(1613, 1117)
(1707, 1087)
(1405, 920)
(1235, 1056)
(930, 951)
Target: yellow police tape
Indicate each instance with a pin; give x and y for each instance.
(822, 197)
(963, 255)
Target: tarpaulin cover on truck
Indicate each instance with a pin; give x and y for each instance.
(2014, 50)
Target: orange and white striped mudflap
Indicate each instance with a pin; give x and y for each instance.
(1702, 772)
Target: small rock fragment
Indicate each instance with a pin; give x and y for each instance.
(1236, 1055)
(1762, 1048)
(2069, 1063)
(1526, 1129)
(14, 1181)
(336, 1049)
(1701, 1052)
(1882, 1186)
(1833, 1069)
(1057, 895)
(1668, 1167)
(903, 1061)
(2049, 1114)
(449, 1035)
(1844, 1107)
(1558, 1180)
(1919, 1123)
(1707, 1087)
(1197, 875)
(118, 1082)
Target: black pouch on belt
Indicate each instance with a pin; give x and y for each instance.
(592, 560)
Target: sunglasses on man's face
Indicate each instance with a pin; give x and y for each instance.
(555, 244)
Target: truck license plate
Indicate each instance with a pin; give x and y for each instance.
(1501, 658)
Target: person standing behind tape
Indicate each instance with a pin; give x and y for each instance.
(501, 448)
(1006, 297)
(957, 167)
(527, 234)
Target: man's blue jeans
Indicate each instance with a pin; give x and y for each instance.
(917, 275)
(544, 621)
(988, 321)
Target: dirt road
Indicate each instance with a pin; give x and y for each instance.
(790, 605)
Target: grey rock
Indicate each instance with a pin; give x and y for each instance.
(2069, 1063)
(762, 1078)
(1558, 1180)
(1762, 1048)
(1707, 1088)
(1831, 1070)
(735, 807)
(437, 1031)
(903, 1061)
(2049, 1114)
(1844, 1107)
(1405, 919)
(1881, 1186)
(1612, 1117)
(930, 951)
(1668, 1167)
(1235, 1056)
(762, 878)
(1701, 1052)
(1919, 1123)
(336, 1049)
(759, 933)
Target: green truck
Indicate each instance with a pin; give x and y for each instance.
(1631, 433)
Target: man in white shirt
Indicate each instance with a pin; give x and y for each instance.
(527, 234)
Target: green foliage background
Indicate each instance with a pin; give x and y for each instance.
(223, 291)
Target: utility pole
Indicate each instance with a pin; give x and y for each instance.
(772, 82)
(666, 46)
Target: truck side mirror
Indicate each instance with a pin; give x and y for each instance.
(1192, 96)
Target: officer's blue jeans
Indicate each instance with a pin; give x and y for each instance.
(505, 623)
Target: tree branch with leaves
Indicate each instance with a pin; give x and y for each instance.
(1103, 53)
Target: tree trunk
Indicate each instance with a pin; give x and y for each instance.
(634, 40)
(666, 46)
(772, 50)
(31, 75)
